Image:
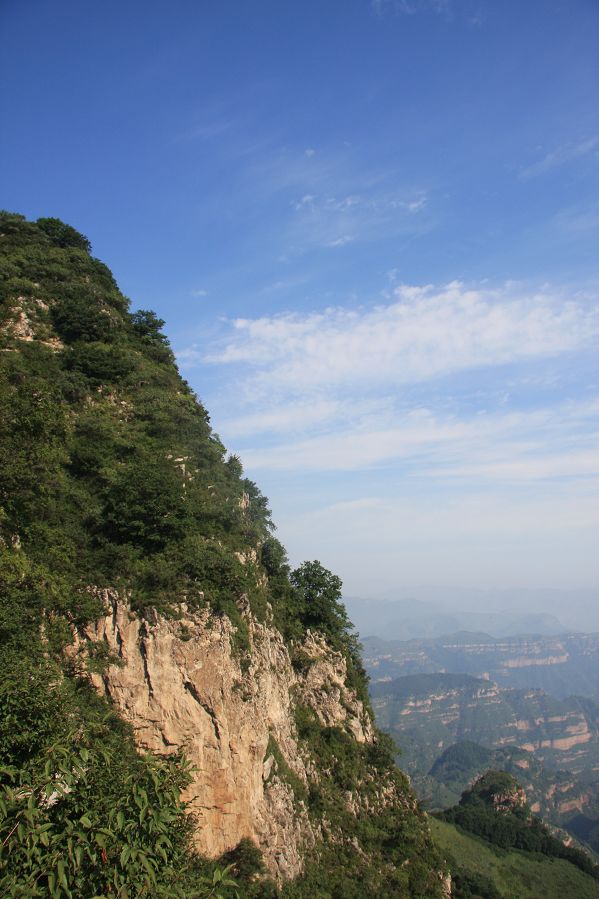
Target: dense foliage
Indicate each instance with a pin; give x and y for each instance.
(111, 477)
(391, 835)
(81, 812)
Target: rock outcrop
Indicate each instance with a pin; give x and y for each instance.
(181, 685)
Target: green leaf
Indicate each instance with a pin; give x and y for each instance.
(62, 877)
(146, 864)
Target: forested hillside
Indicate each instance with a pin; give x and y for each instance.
(117, 500)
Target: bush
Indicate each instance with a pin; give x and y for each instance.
(101, 364)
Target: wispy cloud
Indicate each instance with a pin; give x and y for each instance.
(439, 417)
(318, 413)
(568, 152)
(576, 221)
(508, 537)
(411, 7)
(513, 447)
(322, 197)
(379, 212)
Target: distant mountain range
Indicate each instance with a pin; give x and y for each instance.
(410, 619)
(560, 665)
(452, 727)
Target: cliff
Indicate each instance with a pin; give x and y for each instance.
(181, 686)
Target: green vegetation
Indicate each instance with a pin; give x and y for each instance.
(483, 811)
(111, 474)
(484, 871)
(494, 831)
(111, 477)
(282, 769)
(494, 817)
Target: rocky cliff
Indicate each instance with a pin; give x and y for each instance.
(181, 686)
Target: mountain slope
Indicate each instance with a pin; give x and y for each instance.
(499, 849)
(145, 605)
(492, 873)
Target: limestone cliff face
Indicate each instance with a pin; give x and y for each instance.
(182, 687)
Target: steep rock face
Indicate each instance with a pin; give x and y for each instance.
(182, 687)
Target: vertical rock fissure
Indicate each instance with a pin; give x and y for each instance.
(143, 651)
(207, 708)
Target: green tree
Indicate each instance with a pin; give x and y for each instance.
(319, 599)
(64, 235)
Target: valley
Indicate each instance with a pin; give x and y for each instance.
(451, 726)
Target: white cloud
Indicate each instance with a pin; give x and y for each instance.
(199, 292)
(424, 333)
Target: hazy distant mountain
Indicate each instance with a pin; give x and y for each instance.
(437, 710)
(561, 665)
(453, 727)
(409, 619)
(574, 609)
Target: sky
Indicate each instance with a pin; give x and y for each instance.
(372, 228)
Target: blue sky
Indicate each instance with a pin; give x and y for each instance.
(373, 231)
